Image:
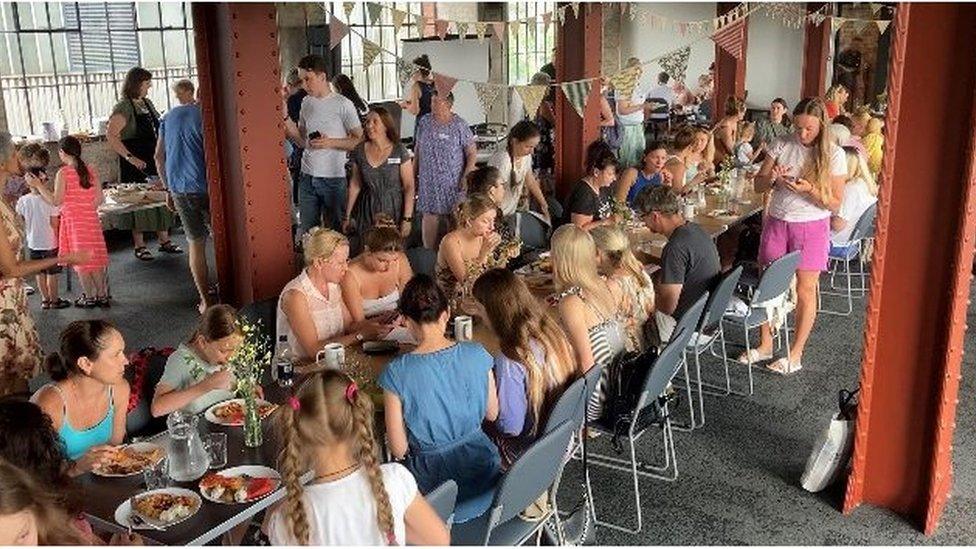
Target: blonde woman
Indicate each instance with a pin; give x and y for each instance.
(806, 173)
(352, 499)
(725, 131)
(617, 263)
(860, 192)
(532, 368)
(588, 306)
(310, 310)
(834, 101)
(689, 163)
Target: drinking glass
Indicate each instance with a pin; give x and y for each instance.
(157, 475)
(217, 449)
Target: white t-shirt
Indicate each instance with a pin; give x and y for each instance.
(332, 116)
(343, 512)
(634, 118)
(513, 183)
(857, 199)
(787, 205)
(661, 91)
(37, 214)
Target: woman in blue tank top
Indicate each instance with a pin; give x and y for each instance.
(649, 173)
(88, 397)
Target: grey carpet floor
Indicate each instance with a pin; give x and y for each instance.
(738, 480)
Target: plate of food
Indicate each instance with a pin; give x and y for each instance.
(242, 484)
(231, 412)
(133, 459)
(165, 507)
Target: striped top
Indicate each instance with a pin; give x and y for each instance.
(80, 227)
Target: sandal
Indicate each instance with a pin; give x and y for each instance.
(60, 303)
(753, 356)
(170, 248)
(103, 302)
(143, 253)
(45, 304)
(783, 367)
(85, 302)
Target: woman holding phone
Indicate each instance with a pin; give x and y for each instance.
(806, 173)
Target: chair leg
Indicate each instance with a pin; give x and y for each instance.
(718, 390)
(701, 399)
(745, 328)
(692, 425)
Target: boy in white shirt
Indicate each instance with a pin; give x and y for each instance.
(41, 221)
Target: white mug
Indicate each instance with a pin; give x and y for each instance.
(689, 211)
(334, 355)
(463, 328)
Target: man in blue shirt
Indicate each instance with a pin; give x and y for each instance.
(179, 150)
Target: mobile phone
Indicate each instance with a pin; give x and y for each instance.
(314, 135)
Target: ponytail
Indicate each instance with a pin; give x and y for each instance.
(71, 146)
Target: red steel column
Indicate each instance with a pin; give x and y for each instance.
(730, 73)
(816, 50)
(237, 62)
(921, 272)
(579, 49)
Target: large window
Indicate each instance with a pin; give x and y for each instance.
(63, 63)
(530, 46)
(379, 82)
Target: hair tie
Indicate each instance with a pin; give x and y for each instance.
(391, 538)
(351, 391)
(294, 403)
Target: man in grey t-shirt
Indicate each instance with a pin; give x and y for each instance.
(689, 263)
(328, 127)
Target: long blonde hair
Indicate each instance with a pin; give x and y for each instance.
(818, 169)
(857, 168)
(519, 321)
(574, 264)
(614, 244)
(330, 410)
(321, 243)
(475, 205)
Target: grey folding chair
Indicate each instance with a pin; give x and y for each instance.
(689, 322)
(534, 233)
(774, 283)
(862, 231)
(534, 474)
(568, 407)
(442, 499)
(651, 410)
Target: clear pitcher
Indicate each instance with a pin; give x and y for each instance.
(188, 458)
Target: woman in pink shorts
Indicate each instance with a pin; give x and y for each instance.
(806, 173)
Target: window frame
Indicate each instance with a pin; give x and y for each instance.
(516, 51)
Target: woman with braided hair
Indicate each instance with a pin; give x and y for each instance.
(352, 500)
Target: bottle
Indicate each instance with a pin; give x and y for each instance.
(284, 370)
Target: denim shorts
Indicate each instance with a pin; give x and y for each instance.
(194, 211)
(45, 254)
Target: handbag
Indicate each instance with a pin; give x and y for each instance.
(832, 449)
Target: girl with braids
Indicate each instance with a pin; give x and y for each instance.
(435, 399)
(535, 364)
(372, 284)
(806, 173)
(78, 192)
(352, 500)
(617, 263)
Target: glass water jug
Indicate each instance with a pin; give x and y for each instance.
(188, 459)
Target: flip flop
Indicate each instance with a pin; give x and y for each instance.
(753, 356)
(143, 253)
(783, 367)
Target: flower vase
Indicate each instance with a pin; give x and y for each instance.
(253, 437)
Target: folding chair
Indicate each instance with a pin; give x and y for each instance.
(533, 232)
(689, 322)
(442, 499)
(862, 231)
(651, 409)
(534, 474)
(772, 290)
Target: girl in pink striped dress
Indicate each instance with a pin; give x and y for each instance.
(78, 192)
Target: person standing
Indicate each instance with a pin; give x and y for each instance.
(41, 221)
(630, 115)
(328, 128)
(179, 152)
(776, 126)
(293, 106)
(132, 133)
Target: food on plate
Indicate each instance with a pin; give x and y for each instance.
(233, 411)
(236, 489)
(126, 460)
(164, 507)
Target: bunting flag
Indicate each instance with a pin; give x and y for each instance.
(421, 22)
(499, 30)
(347, 7)
(480, 29)
(575, 9)
(487, 95)
(444, 84)
(404, 71)
(375, 11)
(882, 26)
(731, 37)
(337, 31)
(875, 8)
(370, 51)
(577, 94)
(398, 18)
(547, 20)
(676, 63)
(835, 23)
(462, 30)
(532, 97)
(440, 27)
(626, 80)
(561, 15)
(817, 18)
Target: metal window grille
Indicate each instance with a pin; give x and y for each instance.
(529, 44)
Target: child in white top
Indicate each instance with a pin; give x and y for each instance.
(745, 156)
(41, 221)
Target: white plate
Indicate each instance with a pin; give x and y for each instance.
(212, 418)
(256, 471)
(139, 447)
(125, 510)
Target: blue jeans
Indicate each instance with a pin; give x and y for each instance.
(318, 196)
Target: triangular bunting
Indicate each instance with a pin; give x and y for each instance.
(625, 81)
(443, 84)
(375, 11)
(577, 93)
(347, 8)
(405, 70)
(633, 12)
(836, 23)
(731, 37)
(547, 20)
(440, 27)
(421, 23)
(561, 15)
(487, 95)
(875, 8)
(498, 28)
(817, 18)
(462, 29)
(479, 29)
(882, 25)
(532, 97)
(676, 63)
(398, 18)
(575, 6)
(370, 51)
(337, 31)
